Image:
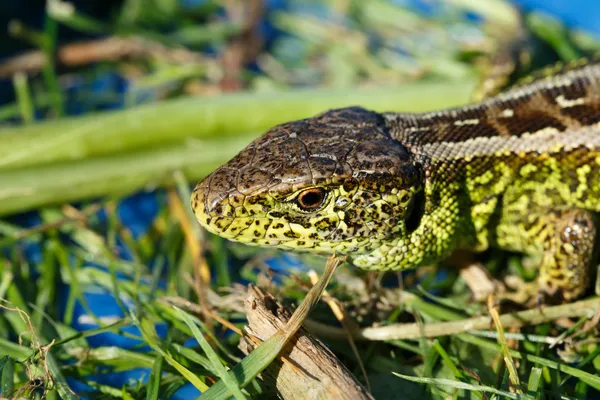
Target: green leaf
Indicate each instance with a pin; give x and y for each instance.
(7, 372)
(229, 381)
(153, 388)
(535, 381)
(464, 386)
(59, 380)
(149, 334)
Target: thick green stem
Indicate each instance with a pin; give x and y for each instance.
(158, 124)
(120, 152)
(120, 174)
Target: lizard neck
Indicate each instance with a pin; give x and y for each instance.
(470, 155)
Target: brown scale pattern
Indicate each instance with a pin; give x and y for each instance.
(534, 107)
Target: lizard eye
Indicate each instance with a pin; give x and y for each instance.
(311, 199)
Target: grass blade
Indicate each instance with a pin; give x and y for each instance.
(149, 335)
(153, 389)
(464, 386)
(228, 380)
(7, 371)
(535, 381)
(265, 353)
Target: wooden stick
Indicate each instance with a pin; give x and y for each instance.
(314, 371)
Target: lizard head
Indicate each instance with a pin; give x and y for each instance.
(336, 182)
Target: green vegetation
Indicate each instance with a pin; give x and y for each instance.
(169, 282)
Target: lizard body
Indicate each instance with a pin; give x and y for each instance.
(519, 171)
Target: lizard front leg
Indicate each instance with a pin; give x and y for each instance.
(562, 239)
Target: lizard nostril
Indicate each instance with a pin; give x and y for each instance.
(214, 204)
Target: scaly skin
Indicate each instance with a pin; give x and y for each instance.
(519, 171)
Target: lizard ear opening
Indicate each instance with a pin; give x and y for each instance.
(415, 211)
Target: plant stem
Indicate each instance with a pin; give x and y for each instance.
(120, 174)
(158, 124)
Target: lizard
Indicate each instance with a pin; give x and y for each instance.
(519, 171)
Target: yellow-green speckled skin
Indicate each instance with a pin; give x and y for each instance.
(519, 171)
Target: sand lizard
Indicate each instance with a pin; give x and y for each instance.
(519, 171)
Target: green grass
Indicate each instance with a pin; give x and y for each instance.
(165, 146)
